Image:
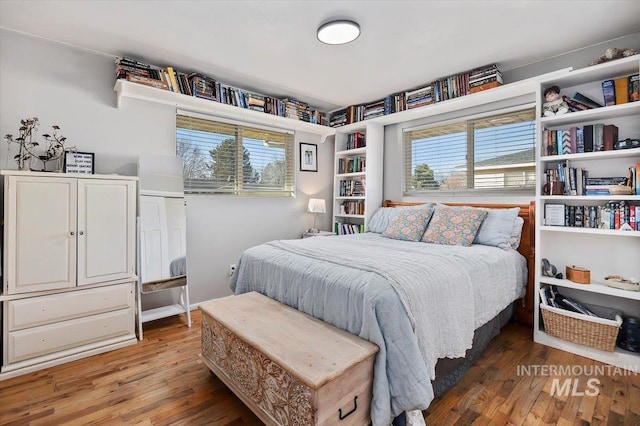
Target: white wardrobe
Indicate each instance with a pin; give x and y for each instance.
(69, 262)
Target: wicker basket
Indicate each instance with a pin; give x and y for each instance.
(599, 333)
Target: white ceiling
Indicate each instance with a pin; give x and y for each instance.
(271, 46)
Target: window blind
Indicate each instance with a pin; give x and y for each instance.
(490, 153)
(226, 158)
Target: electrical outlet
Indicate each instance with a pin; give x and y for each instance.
(232, 269)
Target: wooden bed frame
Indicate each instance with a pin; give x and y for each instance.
(524, 313)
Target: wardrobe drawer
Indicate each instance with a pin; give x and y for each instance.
(35, 311)
(47, 339)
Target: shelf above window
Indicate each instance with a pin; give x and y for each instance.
(126, 89)
(501, 93)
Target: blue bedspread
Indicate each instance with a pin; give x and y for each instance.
(357, 299)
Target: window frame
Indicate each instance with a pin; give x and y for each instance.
(289, 187)
(407, 173)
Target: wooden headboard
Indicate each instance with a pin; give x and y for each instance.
(524, 314)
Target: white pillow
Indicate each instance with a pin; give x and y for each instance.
(516, 233)
(496, 228)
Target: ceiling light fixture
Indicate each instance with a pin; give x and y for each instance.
(338, 32)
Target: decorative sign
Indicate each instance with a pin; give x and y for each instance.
(79, 162)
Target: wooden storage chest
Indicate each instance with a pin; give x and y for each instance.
(288, 367)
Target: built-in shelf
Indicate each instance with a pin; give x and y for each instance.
(594, 231)
(593, 288)
(591, 197)
(356, 151)
(591, 115)
(619, 357)
(604, 155)
(351, 198)
(126, 89)
(350, 215)
(602, 71)
(347, 175)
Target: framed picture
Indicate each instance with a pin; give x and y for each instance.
(79, 162)
(554, 214)
(308, 157)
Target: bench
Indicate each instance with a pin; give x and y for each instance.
(286, 366)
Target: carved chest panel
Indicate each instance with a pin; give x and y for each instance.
(289, 368)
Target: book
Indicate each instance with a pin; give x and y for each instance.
(565, 137)
(587, 133)
(609, 136)
(622, 90)
(584, 100)
(598, 140)
(634, 88)
(573, 105)
(576, 306)
(609, 92)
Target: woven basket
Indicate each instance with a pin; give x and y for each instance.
(585, 330)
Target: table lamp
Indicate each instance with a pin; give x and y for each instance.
(316, 206)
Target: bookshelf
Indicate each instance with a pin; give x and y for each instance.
(127, 89)
(602, 251)
(358, 176)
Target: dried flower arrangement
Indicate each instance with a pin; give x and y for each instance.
(26, 140)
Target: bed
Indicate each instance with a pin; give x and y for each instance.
(383, 289)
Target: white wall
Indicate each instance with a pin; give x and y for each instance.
(73, 88)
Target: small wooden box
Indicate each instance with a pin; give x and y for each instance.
(578, 275)
(288, 367)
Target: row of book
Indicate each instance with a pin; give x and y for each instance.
(352, 207)
(352, 165)
(356, 140)
(621, 90)
(351, 188)
(341, 228)
(205, 87)
(479, 79)
(612, 215)
(566, 180)
(589, 138)
(550, 296)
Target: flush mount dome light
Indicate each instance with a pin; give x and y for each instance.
(338, 32)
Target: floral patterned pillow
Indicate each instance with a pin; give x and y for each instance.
(408, 224)
(454, 226)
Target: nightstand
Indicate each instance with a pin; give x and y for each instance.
(317, 234)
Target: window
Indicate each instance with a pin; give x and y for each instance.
(492, 153)
(226, 158)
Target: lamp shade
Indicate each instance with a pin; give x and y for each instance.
(316, 205)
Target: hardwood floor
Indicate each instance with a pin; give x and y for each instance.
(161, 381)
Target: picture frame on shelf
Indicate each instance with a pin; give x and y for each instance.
(308, 157)
(79, 162)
